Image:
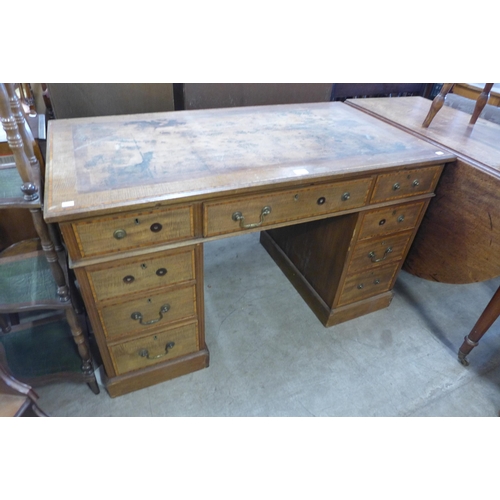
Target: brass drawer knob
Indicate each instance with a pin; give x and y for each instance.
(119, 234)
(137, 316)
(161, 272)
(144, 353)
(238, 217)
(376, 282)
(321, 200)
(415, 183)
(360, 286)
(128, 279)
(396, 186)
(401, 218)
(346, 196)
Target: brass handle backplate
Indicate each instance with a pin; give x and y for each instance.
(144, 353)
(238, 217)
(138, 316)
(372, 255)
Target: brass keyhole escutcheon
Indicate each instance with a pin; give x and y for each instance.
(321, 200)
(119, 234)
(144, 266)
(296, 197)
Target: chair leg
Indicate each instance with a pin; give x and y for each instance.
(51, 255)
(437, 104)
(83, 350)
(481, 102)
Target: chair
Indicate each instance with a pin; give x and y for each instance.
(35, 284)
(438, 102)
(17, 399)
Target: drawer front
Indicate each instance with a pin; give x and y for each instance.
(124, 232)
(152, 349)
(359, 286)
(376, 252)
(390, 220)
(264, 210)
(146, 273)
(405, 183)
(151, 312)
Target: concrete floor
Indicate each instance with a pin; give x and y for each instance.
(270, 356)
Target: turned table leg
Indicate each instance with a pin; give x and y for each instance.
(487, 318)
(437, 103)
(481, 102)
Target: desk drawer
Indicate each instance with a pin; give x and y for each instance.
(391, 219)
(405, 183)
(376, 252)
(250, 212)
(139, 274)
(150, 312)
(359, 286)
(153, 349)
(141, 229)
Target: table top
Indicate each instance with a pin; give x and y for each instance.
(449, 128)
(113, 163)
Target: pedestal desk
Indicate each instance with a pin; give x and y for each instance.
(339, 194)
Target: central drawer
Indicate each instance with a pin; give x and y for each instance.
(250, 212)
(150, 312)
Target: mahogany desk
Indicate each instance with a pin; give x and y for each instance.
(339, 194)
(459, 238)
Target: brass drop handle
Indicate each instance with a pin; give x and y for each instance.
(144, 353)
(372, 255)
(238, 217)
(119, 234)
(138, 316)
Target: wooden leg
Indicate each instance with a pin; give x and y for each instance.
(481, 102)
(83, 350)
(487, 318)
(437, 103)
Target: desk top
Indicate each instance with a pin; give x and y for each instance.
(107, 164)
(450, 127)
